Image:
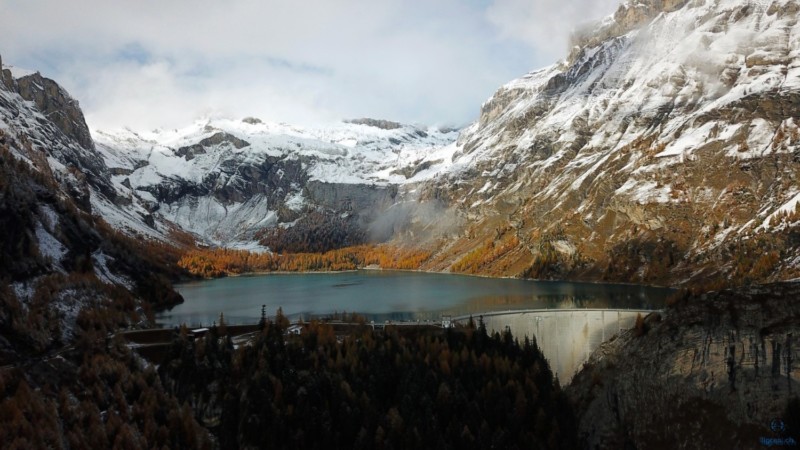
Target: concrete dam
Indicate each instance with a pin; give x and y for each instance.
(566, 336)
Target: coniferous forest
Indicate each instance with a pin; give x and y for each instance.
(392, 388)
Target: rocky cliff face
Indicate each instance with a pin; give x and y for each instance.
(710, 371)
(59, 259)
(630, 15)
(664, 149)
(50, 131)
(55, 103)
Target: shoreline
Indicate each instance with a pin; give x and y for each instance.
(286, 272)
(375, 268)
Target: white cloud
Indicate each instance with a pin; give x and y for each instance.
(546, 24)
(154, 63)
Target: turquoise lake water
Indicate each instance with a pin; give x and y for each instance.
(390, 295)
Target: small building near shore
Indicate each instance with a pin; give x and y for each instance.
(198, 332)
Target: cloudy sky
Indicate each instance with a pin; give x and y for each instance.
(149, 63)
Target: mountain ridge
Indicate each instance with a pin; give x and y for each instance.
(225, 180)
(647, 156)
(662, 147)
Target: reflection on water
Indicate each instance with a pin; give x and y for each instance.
(386, 295)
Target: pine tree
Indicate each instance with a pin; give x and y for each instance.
(262, 323)
(222, 328)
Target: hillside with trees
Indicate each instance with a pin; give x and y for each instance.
(68, 283)
(457, 388)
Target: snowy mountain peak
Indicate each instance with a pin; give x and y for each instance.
(15, 72)
(348, 152)
(227, 179)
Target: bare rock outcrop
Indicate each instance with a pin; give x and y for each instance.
(378, 123)
(191, 151)
(712, 371)
(54, 102)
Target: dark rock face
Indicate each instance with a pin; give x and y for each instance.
(60, 132)
(712, 371)
(191, 151)
(6, 79)
(772, 106)
(173, 189)
(273, 178)
(315, 231)
(58, 106)
(236, 182)
(410, 171)
(378, 123)
(252, 120)
(341, 217)
(360, 198)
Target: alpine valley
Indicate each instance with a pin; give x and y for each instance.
(664, 149)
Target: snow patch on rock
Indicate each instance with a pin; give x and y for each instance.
(105, 275)
(49, 246)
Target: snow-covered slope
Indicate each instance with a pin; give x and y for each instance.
(670, 75)
(667, 138)
(224, 180)
(340, 153)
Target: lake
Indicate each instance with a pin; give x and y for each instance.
(392, 295)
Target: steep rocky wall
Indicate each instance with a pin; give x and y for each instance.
(52, 124)
(5, 77)
(366, 200)
(711, 372)
(663, 151)
(55, 103)
(629, 16)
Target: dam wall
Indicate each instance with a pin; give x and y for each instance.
(566, 336)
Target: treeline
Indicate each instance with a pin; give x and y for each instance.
(394, 389)
(211, 263)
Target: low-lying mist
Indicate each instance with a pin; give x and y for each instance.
(412, 219)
